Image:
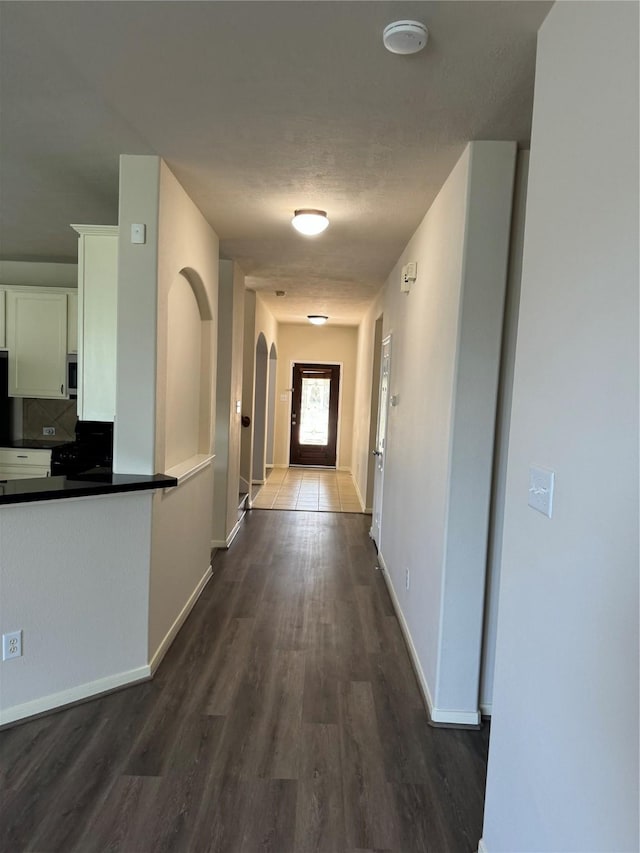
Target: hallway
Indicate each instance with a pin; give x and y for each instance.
(309, 490)
(285, 717)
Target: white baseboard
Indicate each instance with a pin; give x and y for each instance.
(358, 493)
(447, 717)
(225, 543)
(173, 630)
(482, 847)
(89, 690)
(422, 681)
(440, 716)
(258, 482)
(343, 468)
(486, 708)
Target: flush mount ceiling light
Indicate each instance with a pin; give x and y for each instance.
(317, 319)
(310, 222)
(405, 37)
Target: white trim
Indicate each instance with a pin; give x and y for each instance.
(183, 471)
(258, 482)
(358, 493)
(417, 668)
(96, 230)
(446, 717)
(89, 690)
(173, 630)
(486, 709)
(225, 543)
(482, 847)
(438, 715)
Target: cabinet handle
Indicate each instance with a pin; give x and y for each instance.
(22, 456)
(62, 389)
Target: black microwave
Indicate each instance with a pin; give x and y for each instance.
(72, 375)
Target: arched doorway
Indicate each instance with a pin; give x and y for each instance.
(260, 411)
(271, 404)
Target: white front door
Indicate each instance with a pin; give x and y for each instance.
(381, 439)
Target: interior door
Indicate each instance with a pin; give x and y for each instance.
(381, 439)
(314, 414)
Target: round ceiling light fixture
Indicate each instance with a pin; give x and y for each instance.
(310, 222)
(405, 37)
(317, 319)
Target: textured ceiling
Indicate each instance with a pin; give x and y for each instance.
(258, 108)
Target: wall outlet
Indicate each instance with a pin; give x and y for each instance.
(12, 645)
(48, 430)
(407, 578)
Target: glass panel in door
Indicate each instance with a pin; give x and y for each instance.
(314, 411)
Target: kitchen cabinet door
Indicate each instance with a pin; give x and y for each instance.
(37, 344)
(72, 321)
(97, 326)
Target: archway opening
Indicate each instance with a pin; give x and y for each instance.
(271, 404)
(260, 411)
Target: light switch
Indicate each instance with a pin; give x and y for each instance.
(138, 233)
(541, 483)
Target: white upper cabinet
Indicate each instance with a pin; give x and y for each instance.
(36, 337)
(72, 321)
(97, 321)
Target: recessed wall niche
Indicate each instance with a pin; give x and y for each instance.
(189, 370)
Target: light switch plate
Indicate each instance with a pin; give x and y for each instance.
(541, 482)
(138, 233)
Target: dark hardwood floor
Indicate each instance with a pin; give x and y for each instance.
(285, 717)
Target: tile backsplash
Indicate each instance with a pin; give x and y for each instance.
(61, 414)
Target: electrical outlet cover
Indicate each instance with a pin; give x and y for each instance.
(12, 645)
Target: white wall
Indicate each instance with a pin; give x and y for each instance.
(74, 577)
(503, 420)
(563, 762)
(248, 368)
(134, 450)
(179, 243)
(182, 518)
(228, 392)
(258, 319)
(38, 274)
(184, 356)
(366, 388)
(444, 371)
(316, 344)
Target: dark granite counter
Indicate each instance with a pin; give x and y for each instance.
(33, 443)
(79, 486)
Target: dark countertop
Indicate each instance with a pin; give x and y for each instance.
(33, 443)
(79, 486)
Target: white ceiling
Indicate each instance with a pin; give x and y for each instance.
(258, 108)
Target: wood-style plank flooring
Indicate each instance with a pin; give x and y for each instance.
(285, 717)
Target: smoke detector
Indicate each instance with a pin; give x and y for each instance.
(405, 37)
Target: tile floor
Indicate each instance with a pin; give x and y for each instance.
(310, 489)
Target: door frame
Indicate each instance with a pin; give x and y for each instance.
(379, 473)
(340, 364)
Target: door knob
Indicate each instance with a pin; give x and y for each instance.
(376, 453)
